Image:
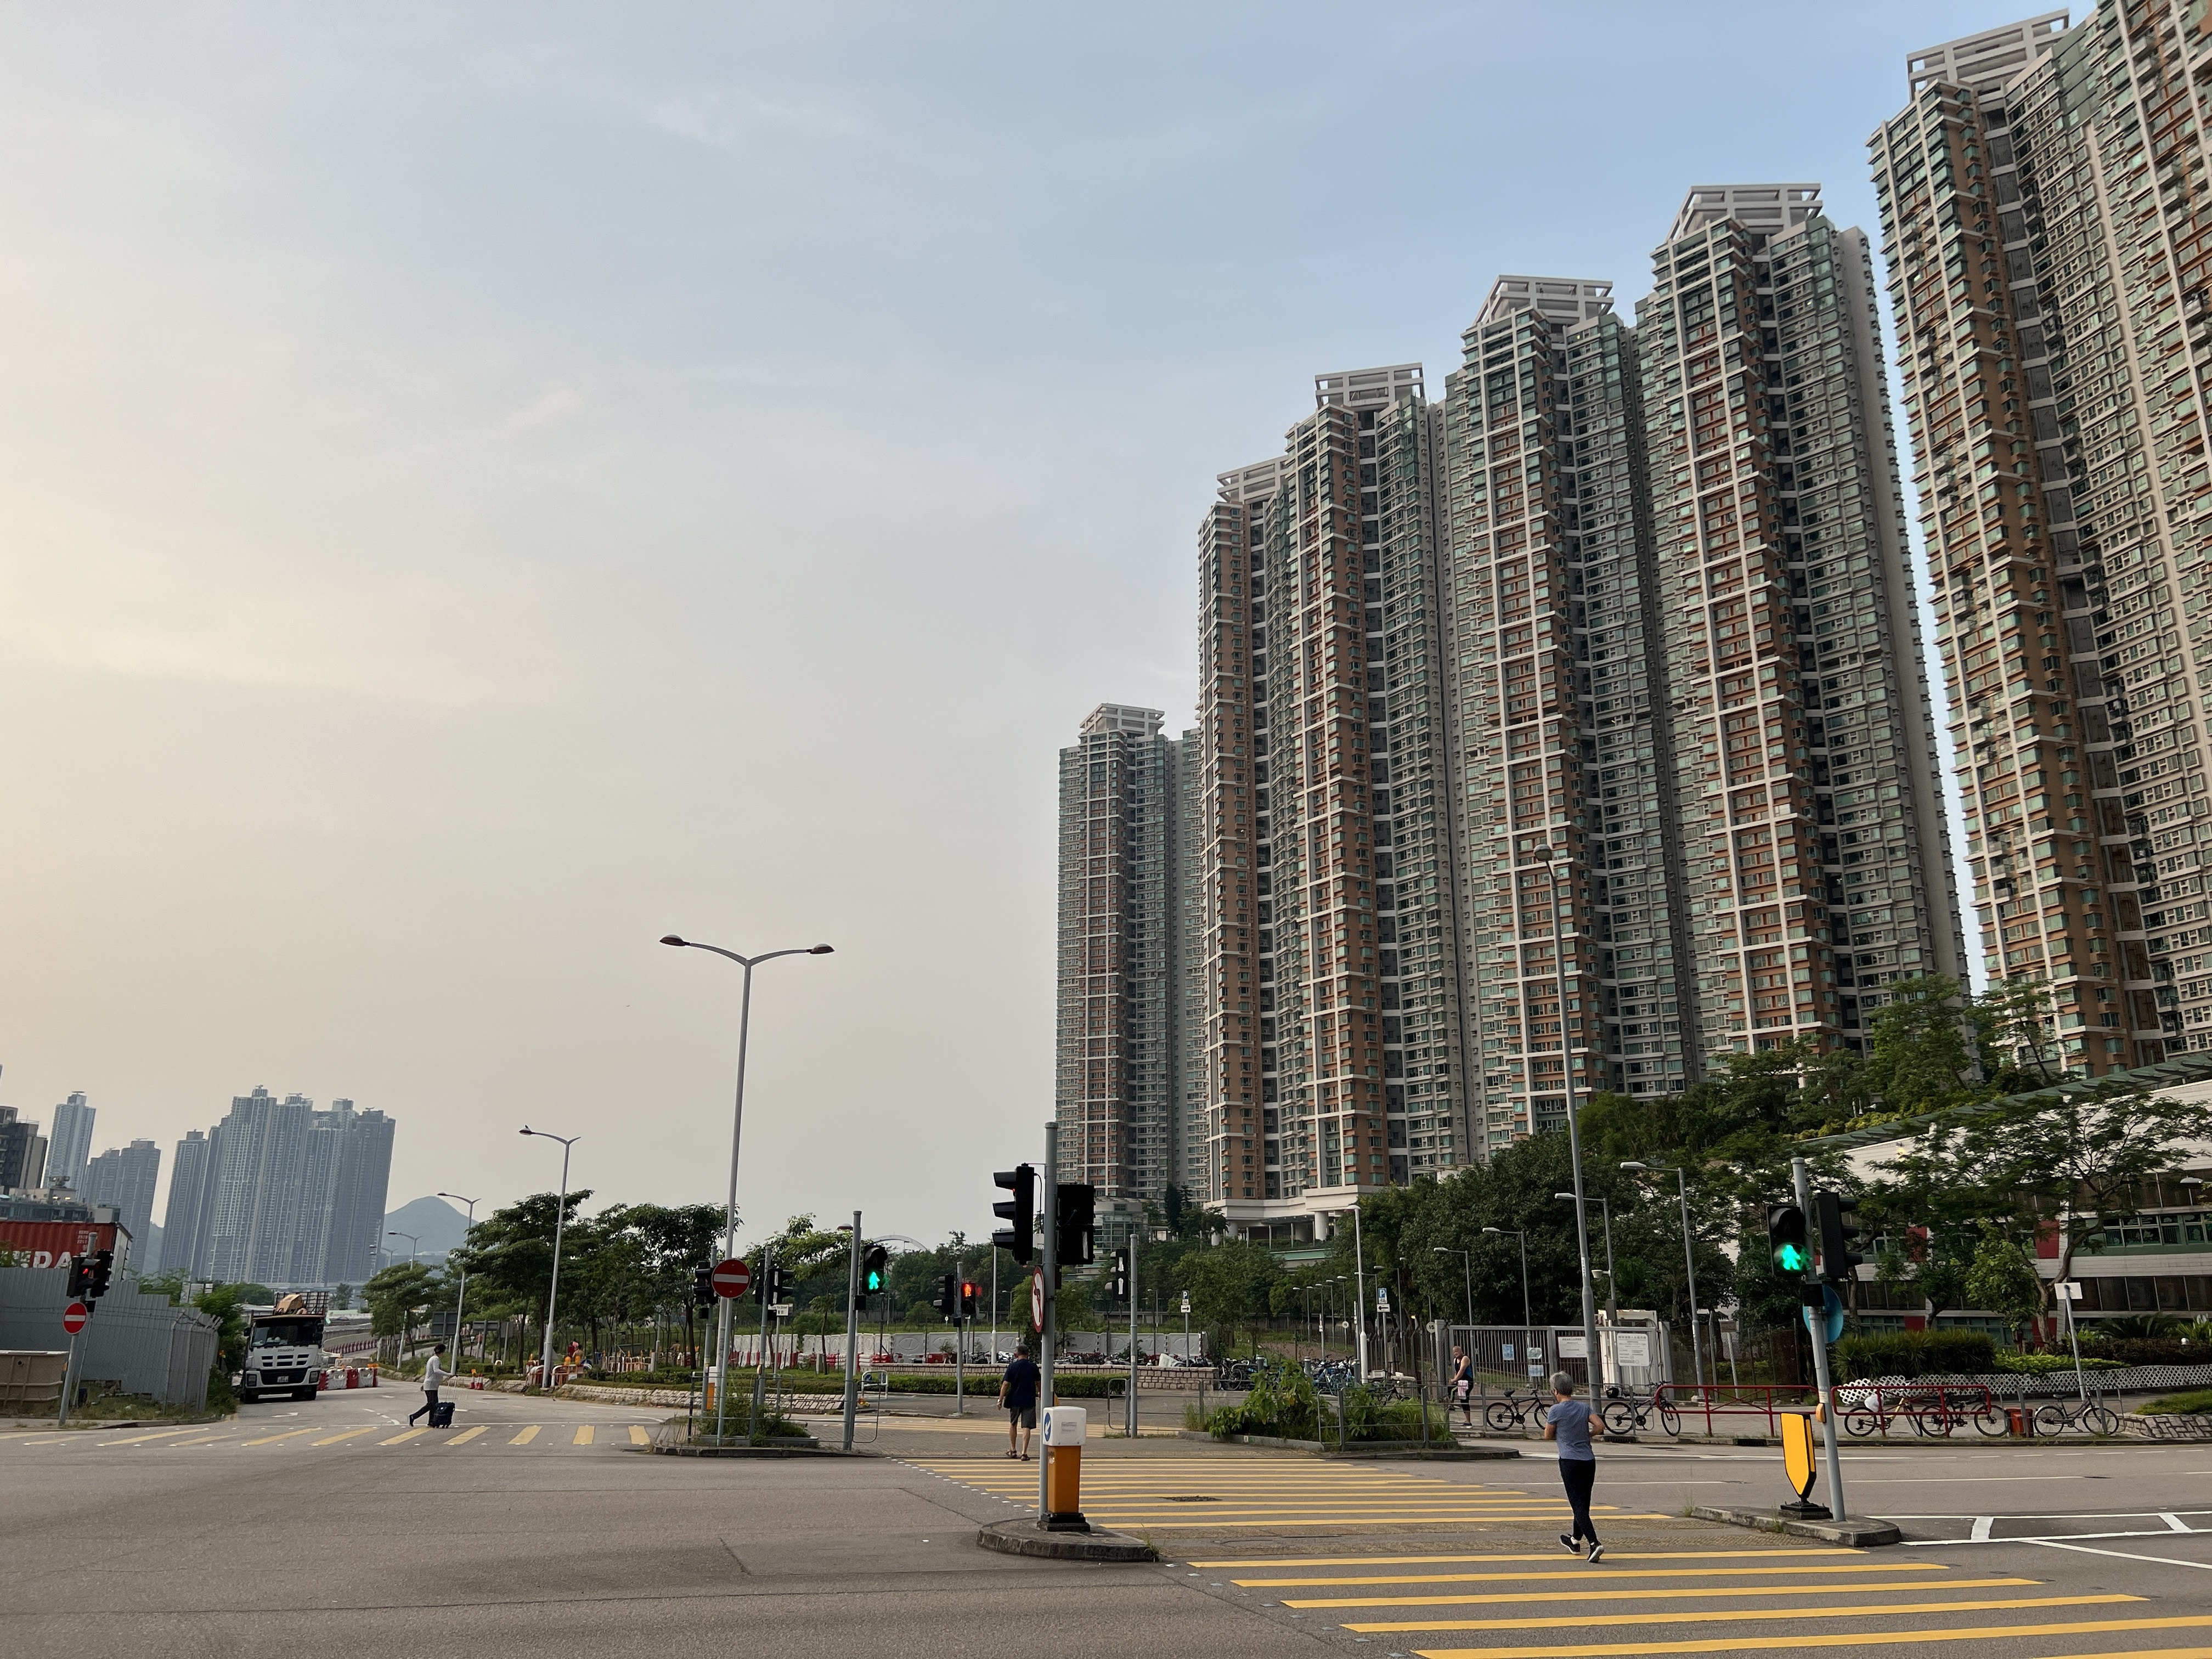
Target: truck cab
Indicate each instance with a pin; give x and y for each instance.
(284, 1347)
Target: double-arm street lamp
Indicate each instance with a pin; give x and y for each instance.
(1560, 868)
(461, 1301)
(736, 1132)
(1689, 1259)
(414, 1244)
(560, 1219)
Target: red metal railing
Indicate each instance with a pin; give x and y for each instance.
(1763, 1399)
(1862, 1408)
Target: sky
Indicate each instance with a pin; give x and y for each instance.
(482, 487)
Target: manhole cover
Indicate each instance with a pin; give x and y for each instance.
(1190, 1500)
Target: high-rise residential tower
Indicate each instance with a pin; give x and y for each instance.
(1120, 1090)
(23, 1153)
(125, 1176)
(183, 1222)
(1559, 713)
(70, 1146)
(1805, 761)
(1331, 1046)
(2050, 248)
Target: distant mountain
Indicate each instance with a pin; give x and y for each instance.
(436, 1226)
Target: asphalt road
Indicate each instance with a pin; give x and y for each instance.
(330, 1522)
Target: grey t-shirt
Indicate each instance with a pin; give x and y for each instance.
(1571, 1420)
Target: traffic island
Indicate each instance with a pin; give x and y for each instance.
(1858, 1534)
(1026, 1535)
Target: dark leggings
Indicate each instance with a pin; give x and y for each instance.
(1579, 1475)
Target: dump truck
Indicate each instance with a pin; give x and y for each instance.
(284, 1347)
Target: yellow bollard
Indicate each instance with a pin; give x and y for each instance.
(1064, 1430)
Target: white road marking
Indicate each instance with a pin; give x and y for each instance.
(2123, 1555)
(1982, 1525)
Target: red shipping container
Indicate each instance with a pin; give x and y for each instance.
(53, 1243)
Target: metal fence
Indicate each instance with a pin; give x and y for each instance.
(138, 1344)
(1637, 1357)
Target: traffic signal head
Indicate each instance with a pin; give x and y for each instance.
(702, 1287)
(1786, 1237)
(1019, 1211)
(971, 1294)
(947, 1299)
(1838, 1232)
(781, 1284)
(1076, 1225)
(80, 1279)
(875, 1269)
(103, 1270)
(1120, 1280)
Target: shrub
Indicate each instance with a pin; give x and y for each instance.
(1917, 1353)
(2162, 1351)
(2195, 1399)
(2044, 1364)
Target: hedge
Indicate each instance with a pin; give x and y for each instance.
(1917, 1353)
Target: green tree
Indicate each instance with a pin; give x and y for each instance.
(1925, 1046)
(1230, 1286)
(2003, 1278)
(396, 1295)
(509, 1257)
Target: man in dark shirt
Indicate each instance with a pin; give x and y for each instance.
(1017, 1393)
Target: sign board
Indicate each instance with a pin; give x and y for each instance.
(1574, 1347)
(733, 1279)
(2070, 1289)
(1186, 1301)
(780, 1309)
(74, 1317)
(1631, 1348)
(1383, 1298)
(1037, 1299)
(1508, 1346)
(1798, 1461)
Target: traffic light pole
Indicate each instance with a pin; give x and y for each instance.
(760, 1358)
(853, 1334)
(1820, 1334)
(1049, 1261)
(1133, 1329)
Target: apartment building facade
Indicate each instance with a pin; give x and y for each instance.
(2050, 251)
(1122, 1083)
(125, 1177)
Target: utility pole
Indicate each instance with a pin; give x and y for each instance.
(1359, 1288)
(1048, 1203)
(852, 1333)
(1819, 1332)
(760, 1359)
(1134, 1231)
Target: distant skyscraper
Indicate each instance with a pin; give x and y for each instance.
(70, 1147)
(23, 1153)
(280, 1194)
(1123, 956)
(2050, 270)
(125, 1176)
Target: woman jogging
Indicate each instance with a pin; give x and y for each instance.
(1462, 1384)
(1573, 1425)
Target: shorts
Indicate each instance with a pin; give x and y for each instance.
(1025, 1416)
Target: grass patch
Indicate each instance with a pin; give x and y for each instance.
(2192, 1400)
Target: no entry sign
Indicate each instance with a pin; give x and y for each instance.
(1037, 1299)
(74, 1317)
(733, 1279)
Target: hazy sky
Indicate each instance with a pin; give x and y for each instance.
(482, 487)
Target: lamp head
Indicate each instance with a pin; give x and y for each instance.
(1570, 1197)
(673, 938)
(1633, 1164)
(1493, 1229)
(822, 950)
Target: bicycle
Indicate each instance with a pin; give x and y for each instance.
(1625, 1413)
(1504, 1416)
(2092, 1415)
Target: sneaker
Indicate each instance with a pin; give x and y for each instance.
(1597, 1553)
(1569, 1545)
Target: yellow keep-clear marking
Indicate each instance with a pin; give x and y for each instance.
(583, 1435)
(141, 1439)
(638, 1437)
(212, 1440)
(1867, 1639)
(467, 1434)
(1671, 1593)
(272, 1439)
(1635, 1572)
(59, 1438)
(1785, 1551)
(526, 1436)
(1735, 1615)
(401, 1439)
(350, 1434)
(1363, 1520)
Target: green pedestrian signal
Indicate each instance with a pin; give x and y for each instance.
(875, 1269)
(1786, 1235)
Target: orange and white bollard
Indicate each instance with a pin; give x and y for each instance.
(1064, 1430)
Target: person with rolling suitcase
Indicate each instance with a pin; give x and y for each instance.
(433, 1373)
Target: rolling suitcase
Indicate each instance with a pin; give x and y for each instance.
(441, 1414)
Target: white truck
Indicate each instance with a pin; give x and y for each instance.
(284, 1347)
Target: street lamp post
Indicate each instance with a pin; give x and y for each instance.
(414, 1244)
(1612, 1297)
(737, 1130)
(560, 1220)
(1689, 1262)
(1528, 1321)
(1556, 865)
(461, 1301)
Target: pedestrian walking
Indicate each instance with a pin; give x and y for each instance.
(1017, 1396)
(1462, 1384)
(433, 1374)
(1573, 1425)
